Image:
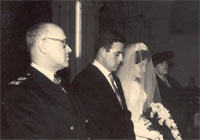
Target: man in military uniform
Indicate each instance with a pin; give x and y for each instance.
(37, 105)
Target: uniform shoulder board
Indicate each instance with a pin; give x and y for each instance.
(18, 81)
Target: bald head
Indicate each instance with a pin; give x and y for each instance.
(37, 31)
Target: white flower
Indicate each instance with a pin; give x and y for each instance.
(161, 121)
(175, 132)
(151, 114)
(164, 116)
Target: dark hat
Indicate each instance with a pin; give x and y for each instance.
(162, 56)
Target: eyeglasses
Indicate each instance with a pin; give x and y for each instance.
(55, 39)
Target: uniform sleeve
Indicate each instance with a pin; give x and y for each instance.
(23, 114)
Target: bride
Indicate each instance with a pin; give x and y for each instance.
(140, 88)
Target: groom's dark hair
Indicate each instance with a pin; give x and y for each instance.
(106, 39)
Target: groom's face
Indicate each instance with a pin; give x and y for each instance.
(114, 56)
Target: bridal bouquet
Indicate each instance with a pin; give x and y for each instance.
(162, 121)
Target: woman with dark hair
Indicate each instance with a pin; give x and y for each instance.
(140, 87)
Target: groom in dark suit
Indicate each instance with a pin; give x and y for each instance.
(100, 91)
(37, 106)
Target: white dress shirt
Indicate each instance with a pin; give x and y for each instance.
(47, 73)
(105, 72)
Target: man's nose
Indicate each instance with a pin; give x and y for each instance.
(120, 58)
(68, 49)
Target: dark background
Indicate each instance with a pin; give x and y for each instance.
(175, 28)
(16, 18)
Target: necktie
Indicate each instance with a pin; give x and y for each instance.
(57, 81)
(115, 89)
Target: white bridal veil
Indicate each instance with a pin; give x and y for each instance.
(126, 74)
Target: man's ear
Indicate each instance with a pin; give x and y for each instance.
(102, 51)
(42, 46)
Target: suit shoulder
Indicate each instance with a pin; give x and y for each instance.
(21, 89)
(85, 78)
(173, 81)
(20, 81)
(84, 74)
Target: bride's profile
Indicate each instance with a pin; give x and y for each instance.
(140, 87)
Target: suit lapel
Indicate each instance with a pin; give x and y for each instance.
(101, 78)
(105, 84)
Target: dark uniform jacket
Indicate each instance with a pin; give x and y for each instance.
(36, 108)
(170, 97)
(106, 119)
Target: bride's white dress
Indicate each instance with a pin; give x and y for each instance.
(135, 104)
